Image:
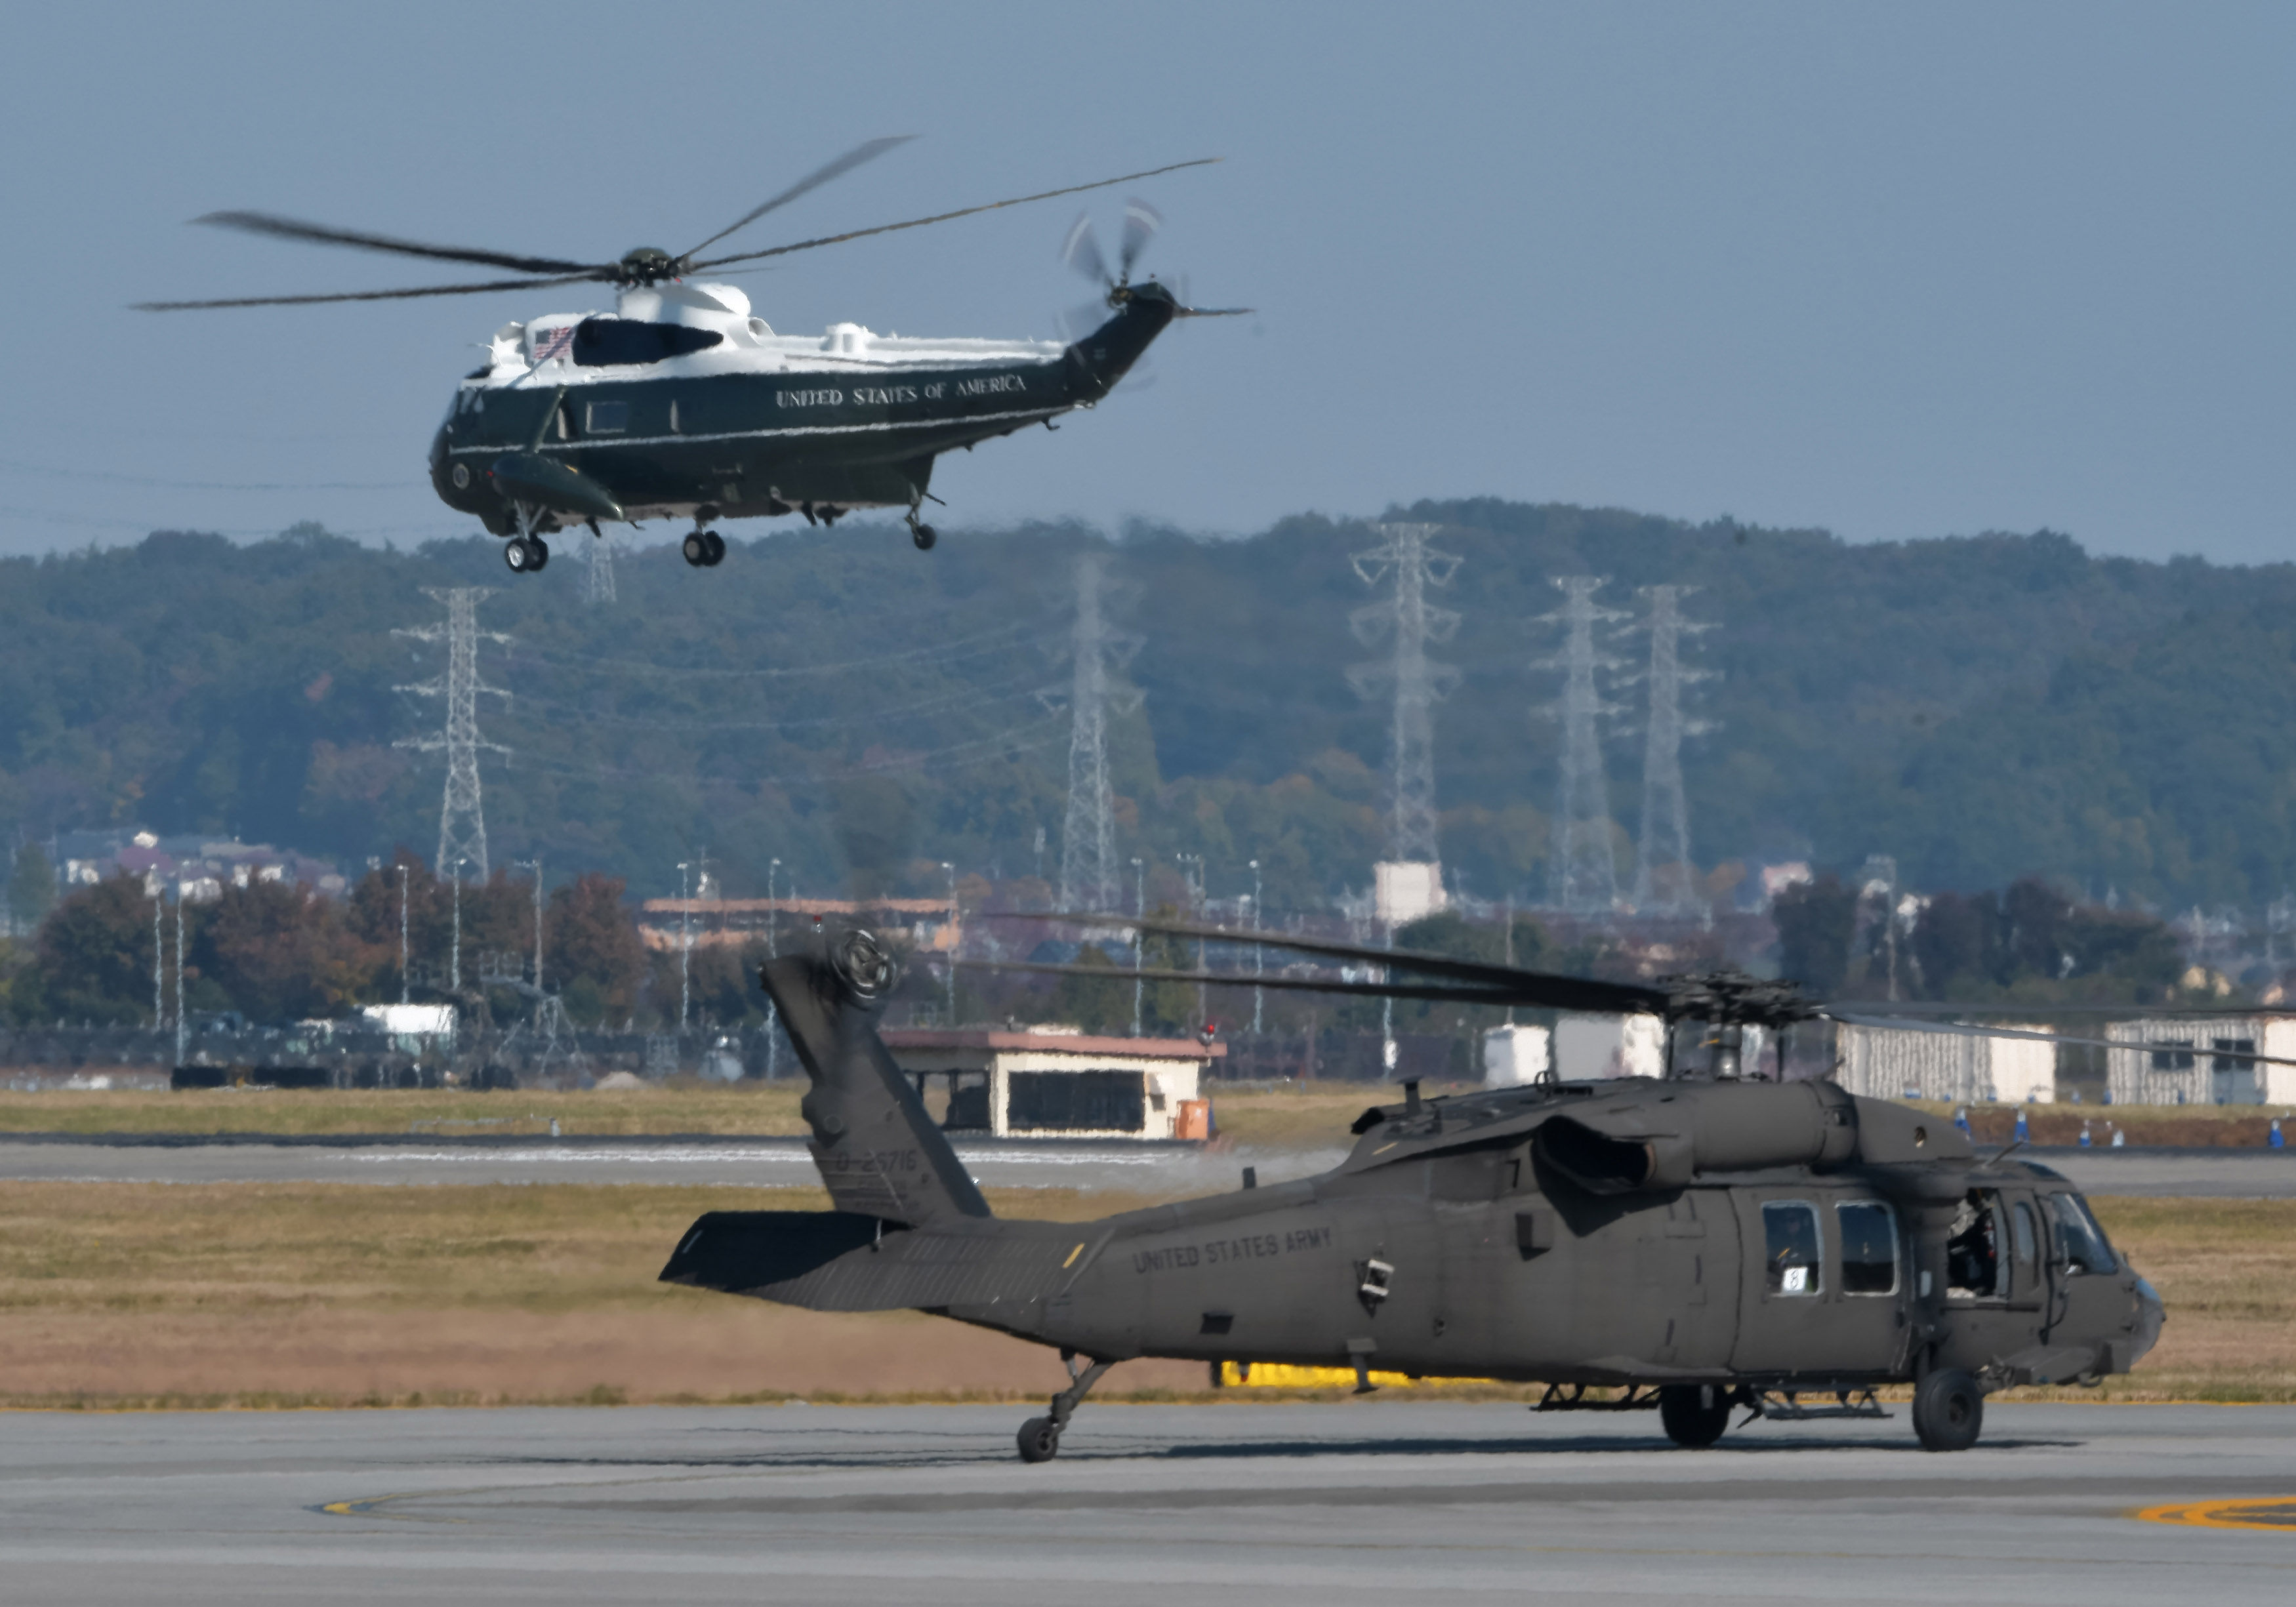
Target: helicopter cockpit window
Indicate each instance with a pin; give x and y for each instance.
(1869, 1247)
(2080, 1242)
(1796, 1264)
(1972, 1251)
(606, 343)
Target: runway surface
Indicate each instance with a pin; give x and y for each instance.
(1148, 1169)
(1370, 1502)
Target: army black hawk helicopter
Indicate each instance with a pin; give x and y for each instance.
(681, 404)
(1707, 1241)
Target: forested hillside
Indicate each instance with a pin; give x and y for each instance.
(1981, 707)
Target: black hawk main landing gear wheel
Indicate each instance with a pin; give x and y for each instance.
(704, 549)
(526, 555)
(1694, 1416)
(1949, 1410)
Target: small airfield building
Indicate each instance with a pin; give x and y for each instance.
(1057, 1083)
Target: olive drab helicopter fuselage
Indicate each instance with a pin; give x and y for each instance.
(682, 404)
(1703, 1243)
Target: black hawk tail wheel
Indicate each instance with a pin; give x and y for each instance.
(1694, 1416)
(924, 536)
(1949, 1410)
(696, 549)
(1040, 1439)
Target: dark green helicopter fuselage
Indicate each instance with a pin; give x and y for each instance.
(710, 422)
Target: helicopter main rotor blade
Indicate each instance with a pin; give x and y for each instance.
(1215, 312)
(869, 151)
(291, 228)
(430, 289)
(1141, 222)
(918, 223)
(1536, 989)
(1081, 252)
(1494, 998)
(1958, 1029)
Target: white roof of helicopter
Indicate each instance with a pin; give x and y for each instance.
(749, 346)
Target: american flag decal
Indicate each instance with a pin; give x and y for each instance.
(550, 343)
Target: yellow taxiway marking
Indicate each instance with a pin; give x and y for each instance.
(2278, 1512)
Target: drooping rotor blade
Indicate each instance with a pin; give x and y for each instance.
(1376, 990)
(290, 228)
(918, 223)
(428, 290)
(1141, 222)
(1534, 989)
(868, 151)
(1960, 1030)
(1081, 252)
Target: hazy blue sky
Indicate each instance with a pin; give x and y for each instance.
(1897, 271)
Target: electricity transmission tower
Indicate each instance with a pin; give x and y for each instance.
(598, 585)
(1585, 878)
(1417, 683)
(1088, 865)
(1665, 845)
(462, 820)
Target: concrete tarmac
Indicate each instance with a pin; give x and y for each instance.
(1370, 1502)
(2258, 1174)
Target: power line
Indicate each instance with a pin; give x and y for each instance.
(1417, 681)
(462, 818)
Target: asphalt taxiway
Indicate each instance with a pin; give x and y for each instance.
(1372, 1501)
(2257, 1173)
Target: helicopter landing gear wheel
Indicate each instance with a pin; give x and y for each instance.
(1039, 1439)
(924, 536)
(1694, 1416)
(1949, 1410)
(703, 549)
(526, 555)
(716, 549)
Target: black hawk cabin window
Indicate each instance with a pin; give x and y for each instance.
(1049, 1102)
(610, 342)
(1796, 1261)
(1869, 1247)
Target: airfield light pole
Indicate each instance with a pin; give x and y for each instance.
(404, 982)
(1139, 936)
(159, 958)
(1259, 957)
(183, 1043)
(685, 948)
(772, 952)
(1194, 879)
(955, 937)
(454, 951)
(535, 864)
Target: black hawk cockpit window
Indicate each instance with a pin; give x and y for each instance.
(1869, 1247)
(608, 342)
(1796, 1262)
(2080, 1242)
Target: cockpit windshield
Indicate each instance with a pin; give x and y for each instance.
(610, 342)
(2080, 1241)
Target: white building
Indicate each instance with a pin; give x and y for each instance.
(1588, 1047)
(2201, 1061)
(1890, 1063)
(1057, 1083)
(1513, 1055)
(1404, 890)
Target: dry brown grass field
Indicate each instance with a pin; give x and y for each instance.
(281, 1295)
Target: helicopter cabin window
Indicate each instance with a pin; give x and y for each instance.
(1869, 1247)
(1972, 1248)
(605, 418)
(608, 342)
(2080, 1242)
(1796, 1265)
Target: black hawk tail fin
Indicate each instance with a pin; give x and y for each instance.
(878, 1153)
